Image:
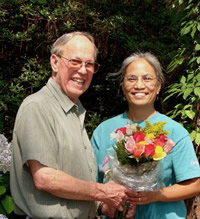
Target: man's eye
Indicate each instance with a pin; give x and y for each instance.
(89, 64)
(75, 62)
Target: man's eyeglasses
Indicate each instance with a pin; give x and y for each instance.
(146, 80)
(77, 64)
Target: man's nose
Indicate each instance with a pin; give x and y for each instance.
(83, 68)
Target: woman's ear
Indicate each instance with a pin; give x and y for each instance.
(54, 63)
(159, 86)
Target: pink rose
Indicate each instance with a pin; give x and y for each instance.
(129, 144)
(168, 145)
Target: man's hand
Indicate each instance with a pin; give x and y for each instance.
(131, 211)
(114, 195)
(110, 212)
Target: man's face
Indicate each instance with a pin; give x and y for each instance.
(74, 82)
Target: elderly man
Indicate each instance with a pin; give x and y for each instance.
(53, 168)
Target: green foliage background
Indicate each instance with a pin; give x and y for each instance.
(28, 28)
(168, 29)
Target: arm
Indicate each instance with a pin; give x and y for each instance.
(180, 191)
(65, 186)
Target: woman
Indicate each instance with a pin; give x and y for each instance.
(141, 81)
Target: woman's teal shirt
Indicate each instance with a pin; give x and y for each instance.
(181, 164)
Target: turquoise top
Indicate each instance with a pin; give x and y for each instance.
(181, 164)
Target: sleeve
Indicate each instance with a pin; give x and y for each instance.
(185, 162)
(35, 134)
(95, 145)
(100, 143)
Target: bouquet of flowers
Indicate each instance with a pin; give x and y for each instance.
(133, 160)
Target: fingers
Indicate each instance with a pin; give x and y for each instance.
(143, 198)
(131, 211)
(108, 211)
(115, 195)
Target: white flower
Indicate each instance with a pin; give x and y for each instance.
(129, 129)
(2, 216)
(5, 154)
(119, 136)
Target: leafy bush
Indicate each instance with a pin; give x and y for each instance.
(6, 202)
(185, 70)
(29, 27)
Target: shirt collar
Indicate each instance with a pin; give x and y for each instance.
(63, 99)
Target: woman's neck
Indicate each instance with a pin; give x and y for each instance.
(140, 114)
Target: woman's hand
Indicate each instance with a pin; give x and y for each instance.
(180, 191)
(143, 198)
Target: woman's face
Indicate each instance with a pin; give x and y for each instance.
(140, 85)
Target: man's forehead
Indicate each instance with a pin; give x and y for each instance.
(80, 44)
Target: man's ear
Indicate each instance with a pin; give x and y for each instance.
(54, 62)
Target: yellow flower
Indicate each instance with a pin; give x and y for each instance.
(150, 136)
(142, 142)
(159, 153)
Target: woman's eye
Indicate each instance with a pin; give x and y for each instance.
(132, 79)
(147, 78)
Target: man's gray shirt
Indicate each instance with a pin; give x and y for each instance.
(49, 128)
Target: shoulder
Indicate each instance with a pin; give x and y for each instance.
(176, 130)
(170, 121)
(110, 124)
(36, 103)
(40, 96)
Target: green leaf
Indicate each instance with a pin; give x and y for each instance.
(193, 59)
(8, 204)
(180, 2)
(190, 114)
(179, 106)
(197, 91)
(198, 26)
(198, 60)
(194, 29)
(198, 77)
(193, 135)
(2, 190)
(197, 139)
(183, 79)
(187, 92)
(197, 47)
(190, 76)
(174, 64)
(185, 30)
